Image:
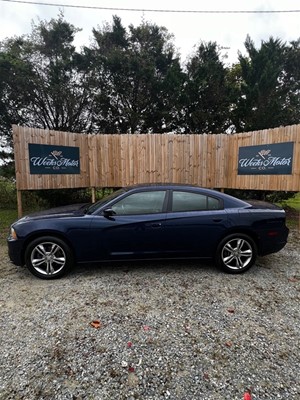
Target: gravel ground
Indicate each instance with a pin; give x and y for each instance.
(172, 330)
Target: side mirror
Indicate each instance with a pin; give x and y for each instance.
(108, 212)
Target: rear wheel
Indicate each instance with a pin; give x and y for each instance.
(236, 253)
(48, 257)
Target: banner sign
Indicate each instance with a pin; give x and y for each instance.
(51, 159)
(266, 159)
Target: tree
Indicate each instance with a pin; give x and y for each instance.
(206, 95)
(267, 89)
(47, 78)
(292, 82)
(12, 77)
(138, 75)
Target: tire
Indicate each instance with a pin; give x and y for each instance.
(48, 257)
(236, 253)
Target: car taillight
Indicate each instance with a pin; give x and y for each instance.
(273, 233)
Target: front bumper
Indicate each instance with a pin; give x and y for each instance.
(15, 251)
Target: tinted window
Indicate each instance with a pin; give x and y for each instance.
(141, 203)
(187, 201)
(213, 203)
(105, 199)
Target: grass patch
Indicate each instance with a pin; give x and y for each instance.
(293, 202)
(292, 209)
(292, 218)
(7, 216)
(292, 222)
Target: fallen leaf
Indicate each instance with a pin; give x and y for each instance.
(228, 344)
(231, 310)
(96, 324)
(294, 279)
(133, 380)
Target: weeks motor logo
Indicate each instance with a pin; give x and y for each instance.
(48, 159)
(272, 159)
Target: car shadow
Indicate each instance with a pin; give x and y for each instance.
(142, 267)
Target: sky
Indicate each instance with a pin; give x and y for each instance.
(228, 30)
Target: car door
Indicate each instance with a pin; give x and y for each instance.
(133, 226)
(195, 223)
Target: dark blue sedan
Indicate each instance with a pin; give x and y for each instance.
(149, 222)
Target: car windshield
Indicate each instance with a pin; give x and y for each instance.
(103, 201)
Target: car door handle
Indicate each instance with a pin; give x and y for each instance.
(156, 225)
(217, 219)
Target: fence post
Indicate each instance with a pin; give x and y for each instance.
(19, 203)
(93, 195)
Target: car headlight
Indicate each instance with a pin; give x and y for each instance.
(13, 233)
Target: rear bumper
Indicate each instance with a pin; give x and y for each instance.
(272, 248)
(273, 244)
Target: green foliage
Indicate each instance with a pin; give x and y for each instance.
(42, 83)
(292, 82)
(206, 94)
(269, 86)
(42, 199)
(137, 78)
(8, 197)
(61, 197)
(7, 217)
(131, 80)
(8, 193)
(271, 196)
(13, 75)
(292, 202)
(7, 169)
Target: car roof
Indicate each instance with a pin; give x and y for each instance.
(169, 186)
(161, 185)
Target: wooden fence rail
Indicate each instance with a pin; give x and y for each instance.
(118, 160)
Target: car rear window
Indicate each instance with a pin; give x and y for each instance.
(188, 201)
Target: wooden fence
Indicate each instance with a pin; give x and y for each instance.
(117, 160)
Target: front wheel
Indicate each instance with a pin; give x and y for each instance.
(48, 257)
(236, 253)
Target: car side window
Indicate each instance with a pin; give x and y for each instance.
(213, 203)
(151, 202)
(188, 201)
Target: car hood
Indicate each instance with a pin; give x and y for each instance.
(59, 212)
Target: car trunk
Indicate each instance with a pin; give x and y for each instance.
(263, 205)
